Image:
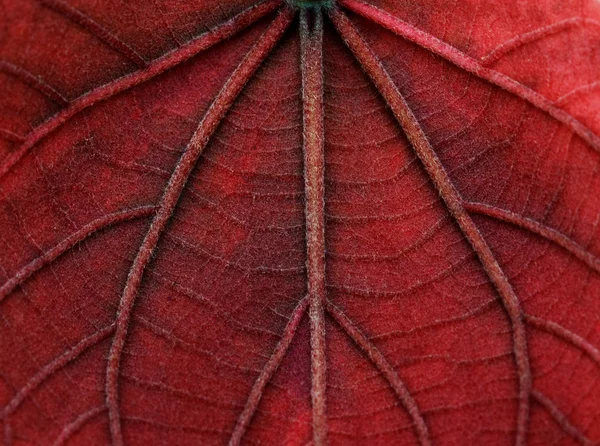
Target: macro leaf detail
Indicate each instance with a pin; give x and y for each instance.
(291, 222)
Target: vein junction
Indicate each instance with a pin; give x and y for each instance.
(315, 304)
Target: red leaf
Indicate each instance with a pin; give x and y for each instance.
(313, 221)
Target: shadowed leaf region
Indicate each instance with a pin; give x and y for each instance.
(324, 222)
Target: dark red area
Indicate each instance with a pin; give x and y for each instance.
(158, 164)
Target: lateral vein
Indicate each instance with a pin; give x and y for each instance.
(453, 202)
(170, 198)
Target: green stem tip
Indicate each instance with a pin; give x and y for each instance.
(310, 4)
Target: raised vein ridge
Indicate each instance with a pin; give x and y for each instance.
(311, 35)
(454, 204)
(168, 202)
(560, 418)
(473, 66)
(386, 369)
(54, 366)
(35, 82)
(153, 69)
(538, 228)
(267, 372)
(77, 424)
(69, 242)
(96, 29)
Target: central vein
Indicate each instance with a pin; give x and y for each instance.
(311, 31)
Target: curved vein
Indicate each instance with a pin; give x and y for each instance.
(560, 418)
(454, 204)
(65, 245)
(577, 91)
(173, 190)
(267, 372)
(537, 34)
(94, 28)
(568, 336)
(473, 66)
(386, 369)
(34, 82)
(11, 136)
(153, 69)
(54, 366)
(538, 228)
(77, 424)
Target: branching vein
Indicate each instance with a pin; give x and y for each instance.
(386, 369)
(537, 228)
(54, 366)
(560, 418)
(267, 372)
(95, 29)
(454, 204)
(566, 335)
(153, 69)
(173, 190)
(65, 245)
(33, 81)
(467, 63)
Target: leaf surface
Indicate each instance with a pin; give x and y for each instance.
(284, 223)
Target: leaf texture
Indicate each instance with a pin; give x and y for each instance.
(324, 222)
